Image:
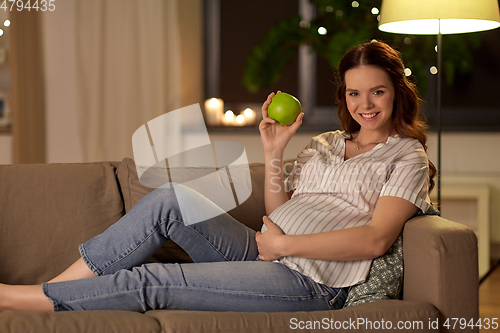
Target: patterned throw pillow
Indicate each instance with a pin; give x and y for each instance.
(385, 279)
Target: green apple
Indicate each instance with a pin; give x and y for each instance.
(284, 108)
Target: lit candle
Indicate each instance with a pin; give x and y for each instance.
(229, 119)
(249, 116)
(240, 120)
(213, 111)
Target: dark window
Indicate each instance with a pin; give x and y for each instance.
(243, 24)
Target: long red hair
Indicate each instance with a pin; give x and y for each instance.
(407, 120)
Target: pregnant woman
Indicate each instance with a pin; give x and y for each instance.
(345, 202)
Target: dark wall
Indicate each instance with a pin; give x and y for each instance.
(243, 25)
(471, 104)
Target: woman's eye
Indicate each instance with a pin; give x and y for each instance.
(353, 94)
(378, 92)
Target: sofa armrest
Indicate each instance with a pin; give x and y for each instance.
(441, 266)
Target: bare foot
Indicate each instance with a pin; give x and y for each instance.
(24, 298)
(2, 297)
(32, 297)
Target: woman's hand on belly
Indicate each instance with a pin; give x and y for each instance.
(269, 242)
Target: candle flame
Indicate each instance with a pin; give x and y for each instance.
(214, 102)
(248, 112)
(229, 114)
(240, 119)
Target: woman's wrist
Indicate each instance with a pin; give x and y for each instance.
(273, 155)
(274, 163)
(283, 244)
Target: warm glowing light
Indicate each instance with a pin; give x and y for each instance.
(407, 71)
(430, 17)
(250, 116)
(431, 27)
(1, 32)
(248, 112)
(6, 23)
(322, 31)
(229, 115)
(214, 102)
(433, 70)
(355, 4)
(375, 11)
(240, 119)
(436, 48)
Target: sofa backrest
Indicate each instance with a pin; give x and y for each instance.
(47, 210)
(249, 212)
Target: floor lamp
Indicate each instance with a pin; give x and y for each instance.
(438, 17)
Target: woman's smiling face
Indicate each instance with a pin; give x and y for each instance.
(370, 97)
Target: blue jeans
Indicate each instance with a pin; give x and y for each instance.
(226, 274)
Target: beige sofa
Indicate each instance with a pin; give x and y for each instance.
(47, 210)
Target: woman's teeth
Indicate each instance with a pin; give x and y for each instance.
(370, 115)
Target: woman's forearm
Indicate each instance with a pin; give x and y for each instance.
(274, 138)
(274, 188)
(355, 243)
(345, 244)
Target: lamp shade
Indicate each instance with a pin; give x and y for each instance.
(428, 17)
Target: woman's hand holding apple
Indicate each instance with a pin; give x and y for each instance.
(275, 137)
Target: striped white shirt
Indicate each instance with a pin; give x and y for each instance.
(332, 194)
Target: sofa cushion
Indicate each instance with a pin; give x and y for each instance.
(362, 318)
(249, 212)
(77, 322)
(385, 279)
(47, 210)
(132, 190)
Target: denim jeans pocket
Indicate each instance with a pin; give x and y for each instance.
(337, 296)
